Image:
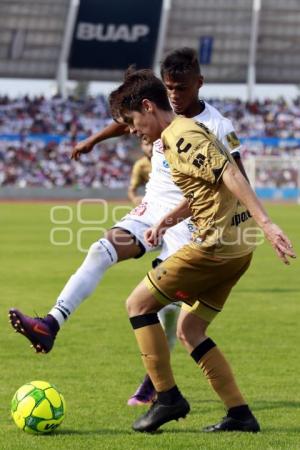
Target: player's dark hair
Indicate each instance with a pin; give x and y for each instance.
(114, 105)
(137, 86)
(182, 61)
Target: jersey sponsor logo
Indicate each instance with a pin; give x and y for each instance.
(139, 210)
(199, 160)
(111, 32)
(158, 146)
(181, 149)
(233, 140)
(40, 330)
(181, 295)
(239, 218)
(191, 227)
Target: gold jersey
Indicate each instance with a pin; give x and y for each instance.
(224, 227)
(140, 173)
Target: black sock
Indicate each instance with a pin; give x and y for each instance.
(242, 412)
(169, 397)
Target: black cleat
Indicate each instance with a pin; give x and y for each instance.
(158, 414)
(230, 424)
(35, 329)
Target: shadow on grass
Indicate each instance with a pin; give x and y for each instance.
(277, 430)
(275, 404)
(181, 431)
(108, 432)
(99, 432)
(268, 290)
(257, 406)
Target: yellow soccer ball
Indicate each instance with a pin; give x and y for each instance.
(38, 407)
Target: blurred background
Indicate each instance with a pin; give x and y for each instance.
(59, 59)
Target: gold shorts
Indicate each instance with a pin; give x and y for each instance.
(201, 283)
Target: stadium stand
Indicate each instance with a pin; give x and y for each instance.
(228, 23)
(37, 135)
(32, 32)
(31, 36)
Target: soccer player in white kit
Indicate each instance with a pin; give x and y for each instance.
(181, 75)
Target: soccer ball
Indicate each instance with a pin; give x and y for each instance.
(38, 407)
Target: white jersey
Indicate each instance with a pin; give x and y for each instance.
(160, 187)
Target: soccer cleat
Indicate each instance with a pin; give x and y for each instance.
(230, 424)
(35, 329)
(158, 414)
(144, 394)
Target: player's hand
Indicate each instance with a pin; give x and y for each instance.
(85, 146)
(280, 242)
(153, 236)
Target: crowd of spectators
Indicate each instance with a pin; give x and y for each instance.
(53, 116)
(31, 154)
(34, 163)
(266, 118)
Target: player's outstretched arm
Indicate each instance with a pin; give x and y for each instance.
(154, 234)
(238, 185)
(114, 129)
(133, 196)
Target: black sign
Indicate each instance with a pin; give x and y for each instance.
(112, 34)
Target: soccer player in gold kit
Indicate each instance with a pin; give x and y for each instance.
(140, 173)
(202, 273)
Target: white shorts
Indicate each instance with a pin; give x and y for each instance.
(146, 215)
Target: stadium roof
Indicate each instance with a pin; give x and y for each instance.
(32, 34)
(229, 24)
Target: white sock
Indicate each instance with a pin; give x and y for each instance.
(83, 282)
(168, 318)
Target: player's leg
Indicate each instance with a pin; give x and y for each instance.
(192, 325)
(145, 393)
(191, 276)
(117, 245)
(206, 354)
(168, 316)
(170, 405)
(174, 239)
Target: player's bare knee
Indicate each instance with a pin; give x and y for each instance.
(135, 307)
(181, 335)
(123, 243)
(128, 307)
(188, 336)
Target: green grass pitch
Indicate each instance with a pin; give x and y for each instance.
(95, 362)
